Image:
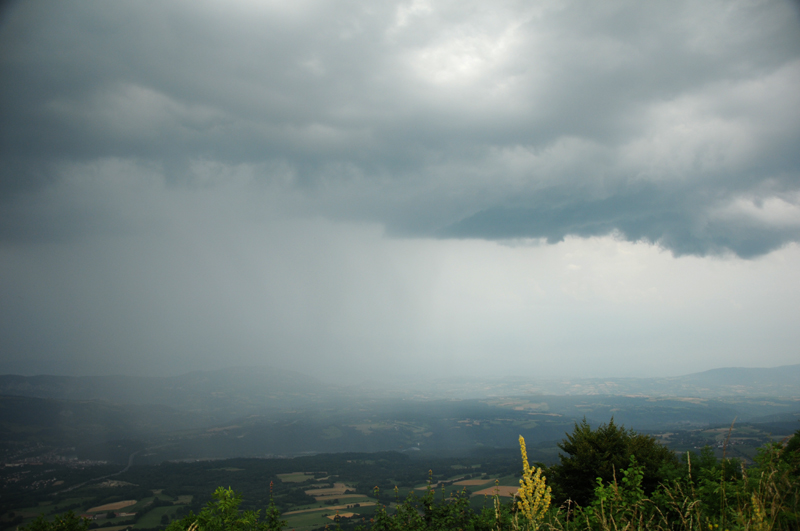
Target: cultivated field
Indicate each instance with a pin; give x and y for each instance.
(295, 477)
(472, 482)
(500, 490)
(322, 494)
(329, 508)
(341, 515)
(111, 506)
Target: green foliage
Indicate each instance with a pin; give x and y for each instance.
(64, 522)
(701, 493)
(790, 455)
(618, 503)
(223, 514)
(773, 485)
(426, 513)
(602, 453)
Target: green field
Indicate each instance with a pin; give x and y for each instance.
(313, 520)
(296, 477)
(153, 518)
(140, 505)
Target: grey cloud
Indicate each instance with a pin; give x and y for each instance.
(639, 213)
(446, 119)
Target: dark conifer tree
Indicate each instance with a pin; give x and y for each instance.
(603, 453)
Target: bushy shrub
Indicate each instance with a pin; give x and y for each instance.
(223, 514)
(603, 453)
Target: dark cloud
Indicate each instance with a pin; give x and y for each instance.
(674, 217)
(658, 122)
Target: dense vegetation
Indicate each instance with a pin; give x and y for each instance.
(655, 490)
(602, 453)
(607, 478)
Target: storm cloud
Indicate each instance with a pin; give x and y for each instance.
(674, 123)
(323, 162)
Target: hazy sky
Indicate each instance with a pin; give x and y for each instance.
(396, 189)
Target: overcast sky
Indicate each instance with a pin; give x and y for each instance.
(399, 189)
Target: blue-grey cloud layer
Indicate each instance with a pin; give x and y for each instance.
(669, 122)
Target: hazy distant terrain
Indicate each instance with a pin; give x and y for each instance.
(238, 390)
(261, 412)
(733, 381)
(217, 395)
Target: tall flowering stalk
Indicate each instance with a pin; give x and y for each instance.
(534, 495)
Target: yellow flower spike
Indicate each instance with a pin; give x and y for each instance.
(534, 494)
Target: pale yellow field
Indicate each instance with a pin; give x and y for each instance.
(327, 508)
(112, 506)
(336, 490)
(501, 491)
(469, 482)
(342, 515)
